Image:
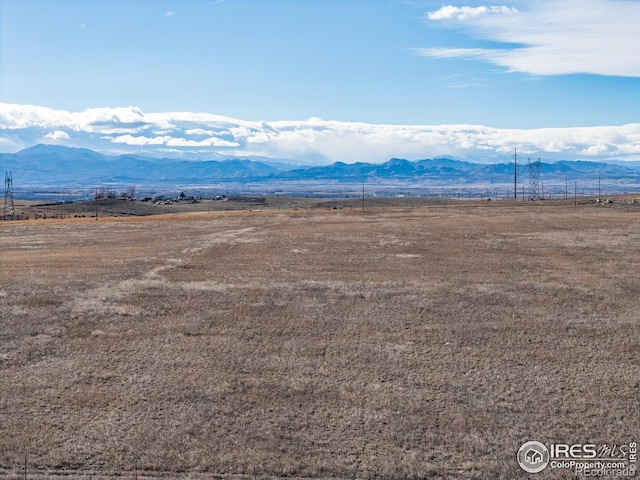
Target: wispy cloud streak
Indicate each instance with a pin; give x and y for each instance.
(464, 13)
(554, 37)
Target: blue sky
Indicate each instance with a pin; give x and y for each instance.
(500, 74)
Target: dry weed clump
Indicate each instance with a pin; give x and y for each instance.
(416, 343)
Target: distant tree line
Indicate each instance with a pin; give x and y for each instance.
(108, 192)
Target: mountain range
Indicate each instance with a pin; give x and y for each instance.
(64, 167)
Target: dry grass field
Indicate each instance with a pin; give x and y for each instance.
(426, 342)
(120, 208)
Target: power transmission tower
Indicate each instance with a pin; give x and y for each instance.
(9, 209)
(534, 180)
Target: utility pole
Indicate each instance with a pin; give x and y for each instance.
(599, 196)
(363, 196)
(575, 194)
(515, 174)
(566, 187)
(96, 203)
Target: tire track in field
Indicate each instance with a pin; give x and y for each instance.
(108, 298)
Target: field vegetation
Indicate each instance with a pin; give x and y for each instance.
(404, 342)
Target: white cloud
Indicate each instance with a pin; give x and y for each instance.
(57, 136)
(462, 13)
(169, 14)
(171, 141)
(199, 131)
(98, 120)
(312, 141)
(557, 37)
(139, 140)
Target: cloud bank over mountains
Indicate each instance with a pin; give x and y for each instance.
(312, 141)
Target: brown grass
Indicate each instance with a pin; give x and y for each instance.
(395, 343)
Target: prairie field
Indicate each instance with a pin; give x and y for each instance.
(394, 343)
